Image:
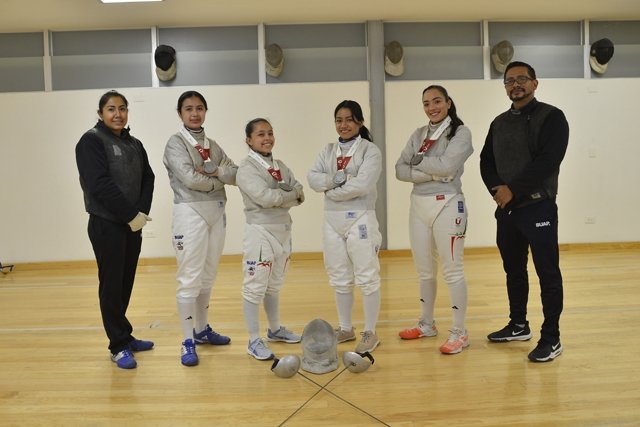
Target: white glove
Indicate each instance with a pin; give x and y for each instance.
(139, 221)
(210, 167)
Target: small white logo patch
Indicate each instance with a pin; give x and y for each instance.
(543, 224)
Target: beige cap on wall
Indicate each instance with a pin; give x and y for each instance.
(394, 59)
(274, 60)
(501, 55)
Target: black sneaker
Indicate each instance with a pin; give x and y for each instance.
(511, 332)
(545, 352)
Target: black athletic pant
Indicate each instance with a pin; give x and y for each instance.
(117, 249)
(534, 226)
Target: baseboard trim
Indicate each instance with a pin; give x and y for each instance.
(311, 256)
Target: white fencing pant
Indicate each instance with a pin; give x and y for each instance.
(437, 227)
(266, 251)
(351, 244)
(198, 244)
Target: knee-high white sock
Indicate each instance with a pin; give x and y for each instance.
(458, 295)
(371, 304)
(344, 304)
(251, 319)
(187, 312)
(271, 304)
(202, 309)
(428, 292)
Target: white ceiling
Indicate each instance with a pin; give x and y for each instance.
(40, 15)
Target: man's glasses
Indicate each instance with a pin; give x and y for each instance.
(520, 80)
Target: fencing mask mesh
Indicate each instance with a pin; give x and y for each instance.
(319, 347)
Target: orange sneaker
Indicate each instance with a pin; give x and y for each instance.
(458, 339)
(422, 329)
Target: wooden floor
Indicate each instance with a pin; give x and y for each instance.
(55, 369)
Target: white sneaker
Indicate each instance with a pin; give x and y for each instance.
(283, 335)
(260, 350)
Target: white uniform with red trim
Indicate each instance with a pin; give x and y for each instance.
(267, 239)
(438, 213)
(351, 234)
(199, 222)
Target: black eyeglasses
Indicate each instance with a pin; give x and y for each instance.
(520, 79)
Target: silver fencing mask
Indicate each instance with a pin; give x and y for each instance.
(319, 347)
(357, 362)
(287, 366)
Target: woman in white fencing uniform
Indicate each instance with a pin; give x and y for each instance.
(346, 172)
(198, 172)
(433, 160)
(268, 190)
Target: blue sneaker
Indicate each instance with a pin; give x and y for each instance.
(188, 355)
(140, 345)
(124, 359)
(283, 335)
(209, 336)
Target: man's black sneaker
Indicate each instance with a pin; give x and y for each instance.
(511, 332)
(545, 352)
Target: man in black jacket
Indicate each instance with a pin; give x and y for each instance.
(520, 163)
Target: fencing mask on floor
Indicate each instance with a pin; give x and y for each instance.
(287, 366)
(319, 347)
(357, 362)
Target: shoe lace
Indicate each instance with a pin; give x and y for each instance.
(366, 336)
(188, 348)
(258, 345)
(455, 335)
(424, 326)
(208, 332)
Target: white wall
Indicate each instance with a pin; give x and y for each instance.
(42, 215)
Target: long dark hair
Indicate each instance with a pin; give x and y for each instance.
(356, 112)
(455, 120)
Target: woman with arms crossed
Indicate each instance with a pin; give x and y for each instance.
(346, 172)
(198, 172)
(433, 160)
(268, 190)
